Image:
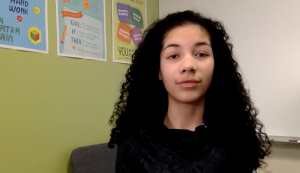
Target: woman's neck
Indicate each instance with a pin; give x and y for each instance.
(184, 115)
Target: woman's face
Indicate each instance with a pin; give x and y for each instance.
(186, 63)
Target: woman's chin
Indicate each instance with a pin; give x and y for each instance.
(190, 98)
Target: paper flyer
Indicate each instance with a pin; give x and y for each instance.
(81, 29)
(23, 25)
(129, 21)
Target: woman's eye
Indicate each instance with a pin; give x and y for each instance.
(201, 55)
(173, 56)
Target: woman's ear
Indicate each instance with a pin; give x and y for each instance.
(159, 76)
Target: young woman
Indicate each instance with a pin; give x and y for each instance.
(184, 107)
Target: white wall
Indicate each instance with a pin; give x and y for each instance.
(285, 159)
(266, 38)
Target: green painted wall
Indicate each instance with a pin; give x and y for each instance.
(50, 105)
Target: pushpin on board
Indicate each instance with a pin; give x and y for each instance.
(36, 10)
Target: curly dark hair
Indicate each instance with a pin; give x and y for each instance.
(232, 121)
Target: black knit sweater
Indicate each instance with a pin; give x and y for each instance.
(163, 150)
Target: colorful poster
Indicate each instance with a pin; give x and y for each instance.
(23, 25)
(81, 29)
(129, 21)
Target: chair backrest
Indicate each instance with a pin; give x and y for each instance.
(94, 159)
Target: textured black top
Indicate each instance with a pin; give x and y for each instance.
(163, 150)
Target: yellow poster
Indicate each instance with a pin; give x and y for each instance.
(129, 22)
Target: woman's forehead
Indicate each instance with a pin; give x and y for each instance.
(187, 33)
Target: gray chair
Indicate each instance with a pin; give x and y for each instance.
(93, 159)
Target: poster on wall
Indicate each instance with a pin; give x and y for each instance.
(129, 21)
(81, 29)
(23, 25)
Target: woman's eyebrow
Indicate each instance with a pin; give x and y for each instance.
(171, 45)
(198, 44)
(202, 43)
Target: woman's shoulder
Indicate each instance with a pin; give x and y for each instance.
(134, 138)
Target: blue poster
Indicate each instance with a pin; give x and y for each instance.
(23, 25)
(81, 29)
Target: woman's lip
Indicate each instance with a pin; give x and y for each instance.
(188, 84)
(189, 81)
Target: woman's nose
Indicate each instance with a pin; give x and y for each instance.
(188, 65)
